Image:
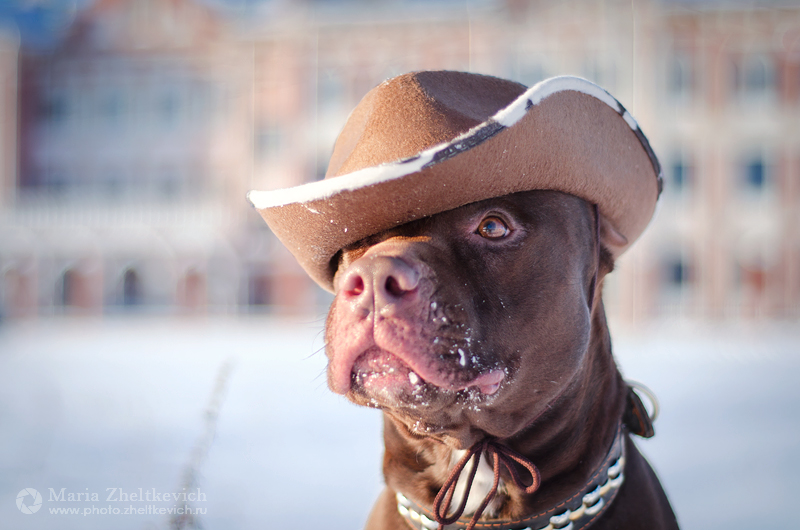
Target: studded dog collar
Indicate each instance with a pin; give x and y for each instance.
(574, 513)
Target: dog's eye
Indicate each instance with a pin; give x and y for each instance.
(493, 228)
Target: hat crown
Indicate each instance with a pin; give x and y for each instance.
(429, 142)
(410, 113)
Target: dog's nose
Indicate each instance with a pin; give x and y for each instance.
(378, 282)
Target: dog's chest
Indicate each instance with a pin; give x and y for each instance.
(481, 485)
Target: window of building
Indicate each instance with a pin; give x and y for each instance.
(259, 290)
(192, 289)
(754, 77)
(56, 179)
(331, 90)
(201, 101)
(131, 288)
(754, 175)
(113, 182)
(676, 278)
(679, 173)
(267, 141)
(18, 295)
(677, 272)
(680, 75)
(54, 107)
(757, 76)
(169, 182)
(753, 278)
(67, 289)
(112, 107)
(169, 107)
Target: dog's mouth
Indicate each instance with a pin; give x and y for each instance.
(384, 376)
(394, 348)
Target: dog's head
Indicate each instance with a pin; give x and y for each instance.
(458, 279)
(470, 321)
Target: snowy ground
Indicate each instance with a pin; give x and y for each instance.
(90, 406)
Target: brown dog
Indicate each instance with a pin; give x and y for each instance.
(465, 225)
(485, 320)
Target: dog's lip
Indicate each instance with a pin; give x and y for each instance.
(487, 383)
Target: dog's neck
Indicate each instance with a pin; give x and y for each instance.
(567, 443)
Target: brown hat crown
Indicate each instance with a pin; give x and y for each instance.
(410, 113)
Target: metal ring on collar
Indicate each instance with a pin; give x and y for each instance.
(650, 395)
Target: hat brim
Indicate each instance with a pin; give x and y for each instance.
(564, 134)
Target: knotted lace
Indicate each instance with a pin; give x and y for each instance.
(499, 454)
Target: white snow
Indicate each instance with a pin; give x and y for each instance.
(120, 404)
(462, 357)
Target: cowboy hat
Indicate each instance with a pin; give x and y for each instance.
(427, 142)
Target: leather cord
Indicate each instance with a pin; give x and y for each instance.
(635, 419)
(494, 451)
(577, 511)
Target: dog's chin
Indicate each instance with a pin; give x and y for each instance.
(383, 380)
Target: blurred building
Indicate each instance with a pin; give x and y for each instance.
(722, 103)
(133, 151)
(126, 151)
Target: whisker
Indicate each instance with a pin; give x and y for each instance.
(315, 352)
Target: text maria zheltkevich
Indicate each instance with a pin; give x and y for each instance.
(112, 501)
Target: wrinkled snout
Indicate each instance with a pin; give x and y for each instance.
(396, 333)
(380, 284)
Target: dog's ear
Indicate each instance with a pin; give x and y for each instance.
(606, 261)
(610, 236)
(611, 243)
